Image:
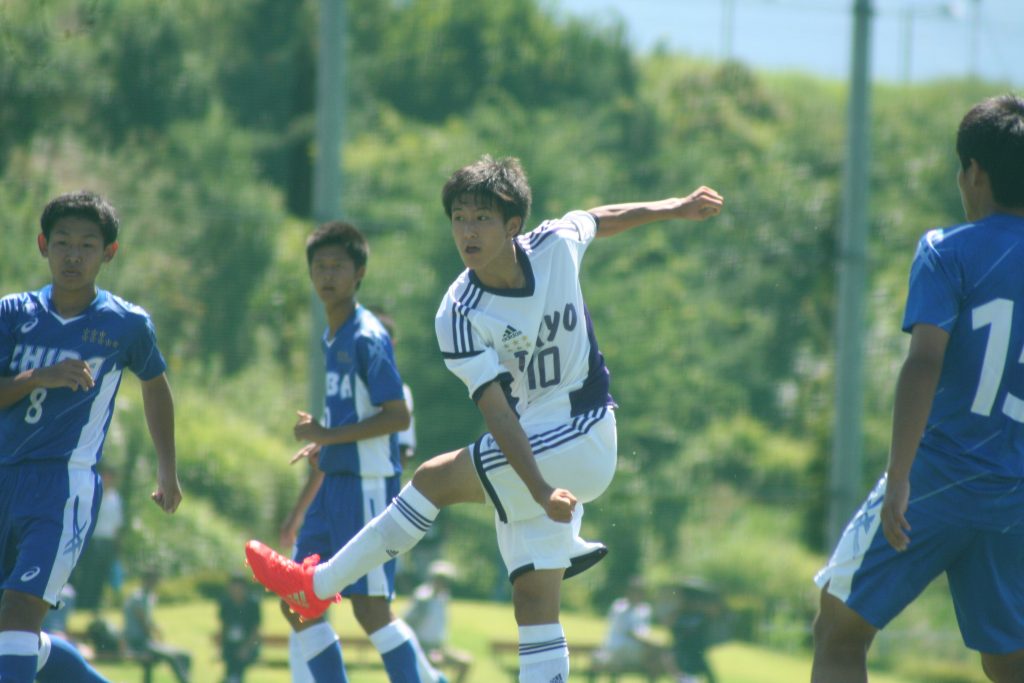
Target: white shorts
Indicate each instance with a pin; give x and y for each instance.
(579, 456)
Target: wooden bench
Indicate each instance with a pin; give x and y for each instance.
(581, 662)
(122, 654)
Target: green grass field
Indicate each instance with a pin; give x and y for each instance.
(473, 625)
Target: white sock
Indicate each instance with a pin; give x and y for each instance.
(543, 654)
(44, 650)
(391, 533)
(315, 639)
(296, 661)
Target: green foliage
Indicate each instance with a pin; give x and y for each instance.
(234, 474)
(142, 78)
(24, 190)
(32, 70)
(439, 58)
(263, 56)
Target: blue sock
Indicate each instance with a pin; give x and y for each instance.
(400, 664)
(327, 666)
(395, 645)
(319, 646)
(19, 653)
(65, 664)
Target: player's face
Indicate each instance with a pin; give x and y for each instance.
(335, 277)
(75, 252)
(482, 236)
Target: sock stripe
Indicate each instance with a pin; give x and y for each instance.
(543, 646)
(418, 520)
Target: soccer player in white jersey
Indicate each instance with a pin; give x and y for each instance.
(63, 350)
(515, 329)
(952, 497)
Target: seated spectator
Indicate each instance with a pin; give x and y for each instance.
(239, 628)
(694, 623)
(428, 617)
(628, 645)
(142, 635)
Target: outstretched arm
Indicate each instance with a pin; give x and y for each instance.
(915, 390)
(159, 408)
(615, 218)
(503, 424)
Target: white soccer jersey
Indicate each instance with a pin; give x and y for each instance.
(538, 341)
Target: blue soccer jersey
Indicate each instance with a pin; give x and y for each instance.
(361, 375)
(110, 335)
(968, 281)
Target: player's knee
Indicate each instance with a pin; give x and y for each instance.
(838, 627)
(835, 631)
(372, 613)
(434, 481)
(21, 611)
(1004, 668)
(449, 479)
(535, 597)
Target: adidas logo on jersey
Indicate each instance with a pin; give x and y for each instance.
(510, 333)
(557, 679)
(391, 553)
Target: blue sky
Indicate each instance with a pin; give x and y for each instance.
(917, 40)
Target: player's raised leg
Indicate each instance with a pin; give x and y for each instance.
(441, 481)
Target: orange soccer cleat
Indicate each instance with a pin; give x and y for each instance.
(292, 581)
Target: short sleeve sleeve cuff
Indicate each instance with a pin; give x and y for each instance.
(934, 296)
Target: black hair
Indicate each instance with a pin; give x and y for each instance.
(501, 183)
(342, 234)
(992, 133)
(81, 204)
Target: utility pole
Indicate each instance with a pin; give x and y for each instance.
(330, 118)
(848, 443)
(728, 28)
(908, 42)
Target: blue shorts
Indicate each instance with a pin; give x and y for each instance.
(47, 514)
(983, 562)
(344, 504)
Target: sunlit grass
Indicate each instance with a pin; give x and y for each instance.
(473, 625)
